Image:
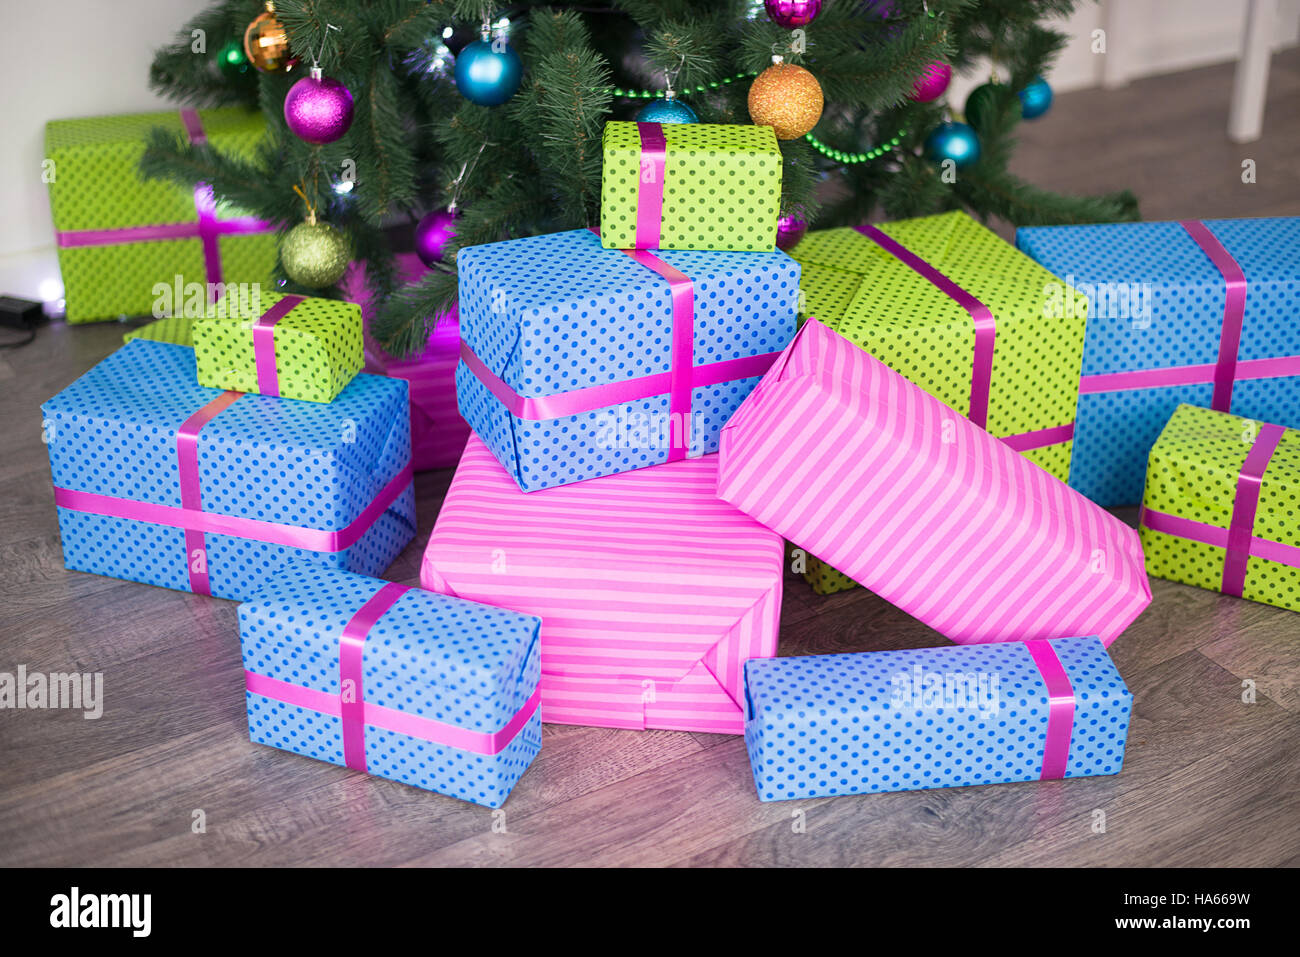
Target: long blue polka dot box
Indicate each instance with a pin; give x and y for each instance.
(1201, 313)
(433, 691)
(578, 361)
(872, 722)
(160, 480)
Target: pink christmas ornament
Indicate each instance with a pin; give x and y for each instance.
(931, 83)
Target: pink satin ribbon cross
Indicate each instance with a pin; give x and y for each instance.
(208, 228)
(187, 464)
(268, 378)
(1060, 712)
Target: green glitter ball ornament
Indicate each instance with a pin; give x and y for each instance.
(315, 254)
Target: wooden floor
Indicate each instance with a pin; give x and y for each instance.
(1208, 780)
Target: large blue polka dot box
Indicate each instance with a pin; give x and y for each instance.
(1202, 313)
(394, 681)
(872, 722)
(579, 361)
(160, 480)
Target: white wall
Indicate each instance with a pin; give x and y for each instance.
(58, 60)
(89, 57)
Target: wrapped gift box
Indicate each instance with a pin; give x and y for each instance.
(122, 240)
(164, 481)
(294, 347)
(579, 361)
(1220, 508)
(965, 316)
(178, 330)
(393, 681)
(438, 432)
(859, 466)
(652, 593)
(825, 725)
(1196, 313)
(690, 186)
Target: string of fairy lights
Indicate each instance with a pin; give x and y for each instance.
(840, 156)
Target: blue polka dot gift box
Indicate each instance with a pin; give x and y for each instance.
(160, 480)
(689, 186)
(1202, 313)
(435, 692)
(866, 723)
(578, 361)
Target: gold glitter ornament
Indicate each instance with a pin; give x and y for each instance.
(315, 254)
(266, 42)
(787, 98)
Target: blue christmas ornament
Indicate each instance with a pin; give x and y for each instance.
(488, 71)
(953, 141)
(1035, 99)
(667, 110)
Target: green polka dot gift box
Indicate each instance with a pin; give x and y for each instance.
(873, 722)
(690, 186)
(966, 316)
(1221, 508)
(125, 243)
(294, 347)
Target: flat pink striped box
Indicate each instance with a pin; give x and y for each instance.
(652, 592)
(855, 464)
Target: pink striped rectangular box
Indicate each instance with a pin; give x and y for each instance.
(652, 592)
(864, 469)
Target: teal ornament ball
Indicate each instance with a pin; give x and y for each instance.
(488, 71)
(667, 110)
(1035, 99)
(953, 141)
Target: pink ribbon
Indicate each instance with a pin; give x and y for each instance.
(1060, 713)
(208, 228)
(1207, 534)
(273, 533)
(1241, 529)
(351, 690)
(679, 382)
(981, 315)
(268, 378)
(187, 463)
(1227, 369)
(390, 719)
(1234, 311)
(1040, 438)
(650, 185)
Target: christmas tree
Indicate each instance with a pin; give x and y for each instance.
(883, 146)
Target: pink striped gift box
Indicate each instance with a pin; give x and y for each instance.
(438, 432)
(652, 592)
(875, 476)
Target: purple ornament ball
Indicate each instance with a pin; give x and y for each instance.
(789, 230)
(931, 83)
(792, 13)
(318, 109)
(432, 233)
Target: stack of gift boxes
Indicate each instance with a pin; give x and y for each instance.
(660, 408)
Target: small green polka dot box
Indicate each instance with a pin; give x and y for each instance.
(578, 361)
(394, 681)
(964, 315)
(690, 186)
(1221, 508)
(872, 722)
(124, 243)
(178, 330)
(294, 347)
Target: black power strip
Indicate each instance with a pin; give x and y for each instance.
(18, 313)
